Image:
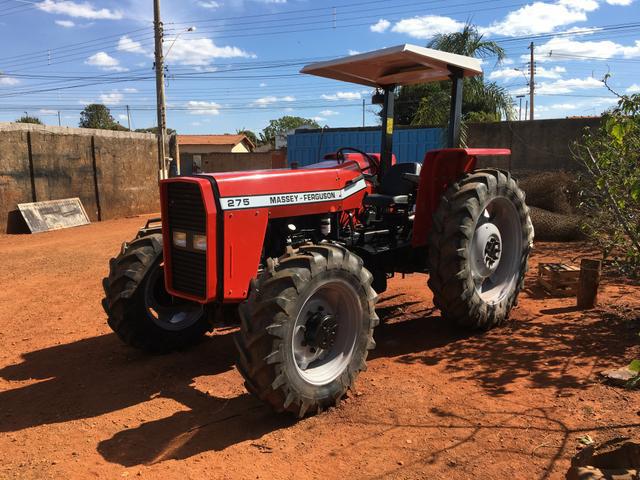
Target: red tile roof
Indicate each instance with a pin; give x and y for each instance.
(211, 139)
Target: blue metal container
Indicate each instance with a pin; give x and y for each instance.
(409, 144)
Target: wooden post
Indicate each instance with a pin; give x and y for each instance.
(588, 283)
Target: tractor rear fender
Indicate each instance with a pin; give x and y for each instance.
(439, 170)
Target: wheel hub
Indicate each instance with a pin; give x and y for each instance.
(321, 330)
(492, 251)
(487, 249)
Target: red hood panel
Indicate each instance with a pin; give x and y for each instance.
(326, 176)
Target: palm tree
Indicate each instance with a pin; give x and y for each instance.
(482, 101)
(468, 42)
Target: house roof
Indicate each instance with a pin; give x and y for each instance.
(400, 65)
(213, 139)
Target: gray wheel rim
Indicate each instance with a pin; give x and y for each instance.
(496, 250)
(167, 312)
(319, 366)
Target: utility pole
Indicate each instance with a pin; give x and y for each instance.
(532, 84)
(59, 120)
(526, 110)
(520, 109)
(128, 117)
(363, 112)
(159, 66)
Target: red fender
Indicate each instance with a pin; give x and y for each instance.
(439, 170)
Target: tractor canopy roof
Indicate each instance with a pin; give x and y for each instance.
(400, 65)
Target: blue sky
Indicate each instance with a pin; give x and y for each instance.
(238, 68)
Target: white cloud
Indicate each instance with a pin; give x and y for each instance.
(541, 72)
(113, 98)
(562, 86)
(329, 113)
(65, 23)
(343, 96)
(623, 3)
(319, 119)
(635, 88)
(123, 117)
(264, 101)
(569, 49)
(354, 52)
(105, 61)
(542, 17)
(78, 10)
(427, 26)
(552, 73)
(8, 81)
(505, 73)
(203, 108)
(262, 84)
(381, 26)
(210, 5)
(201, 51)
(126, 44)
(130, 90)
(44, 111)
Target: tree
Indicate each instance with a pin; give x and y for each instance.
(428, 104)
(253, 138)
(154, 130)
(610, 194)
(283, 125)
(29, 119)
(98, 116)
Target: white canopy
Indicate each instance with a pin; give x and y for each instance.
(400, 65)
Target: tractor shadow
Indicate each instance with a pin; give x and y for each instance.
(560, 348)
(99, 375)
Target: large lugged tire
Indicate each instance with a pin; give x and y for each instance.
(479, 248)
(306, 329)
(138, 307)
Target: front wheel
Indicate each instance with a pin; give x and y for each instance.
(306, 329)
(479, 248)
(139, 308)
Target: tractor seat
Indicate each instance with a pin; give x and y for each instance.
(396, 186)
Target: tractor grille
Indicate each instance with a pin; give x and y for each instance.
(187, 214)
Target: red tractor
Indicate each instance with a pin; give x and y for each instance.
(302, 254)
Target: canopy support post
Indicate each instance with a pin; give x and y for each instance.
(455, 114)
(386, 148)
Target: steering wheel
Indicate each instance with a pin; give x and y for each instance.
(374, 164)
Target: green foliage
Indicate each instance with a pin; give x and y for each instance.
(482, 101)
(253, 138)
(610, 195)
(98, 116)
(282, 125)
(634, 366)
(29, 119)
(154, 130)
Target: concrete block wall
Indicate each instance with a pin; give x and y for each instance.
(113, 173)
(540, 145)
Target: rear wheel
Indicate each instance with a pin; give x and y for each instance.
(479, 249)
(306, 329)
(139, 308)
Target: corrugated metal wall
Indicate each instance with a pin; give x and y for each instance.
(409, 145)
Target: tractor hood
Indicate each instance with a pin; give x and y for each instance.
(327, 181)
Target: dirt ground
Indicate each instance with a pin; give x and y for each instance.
(435, 402)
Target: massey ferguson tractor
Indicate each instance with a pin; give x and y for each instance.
(300, 255)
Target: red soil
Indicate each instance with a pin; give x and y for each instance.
(435, 402)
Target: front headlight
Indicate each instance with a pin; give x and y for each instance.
(180, 239)
(200, 242)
